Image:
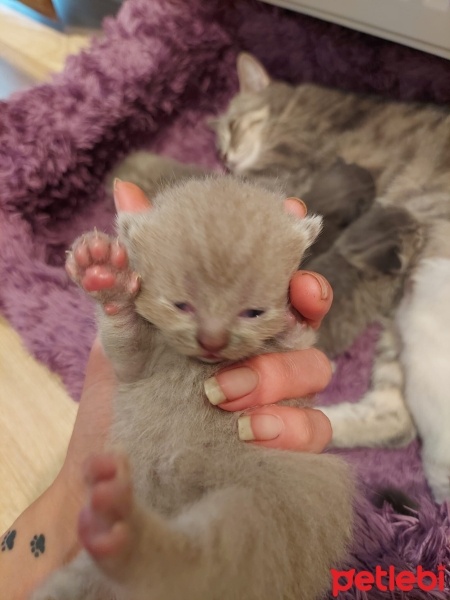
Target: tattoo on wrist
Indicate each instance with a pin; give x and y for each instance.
(8, 540)
(37, 545)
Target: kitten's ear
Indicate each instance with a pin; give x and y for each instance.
(128, 197)
(251, 74)
(131, 204)
(383, 241)
(308, 228)
(384, 258)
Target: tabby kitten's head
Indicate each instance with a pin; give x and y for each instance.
(263, 126)
(216, 257)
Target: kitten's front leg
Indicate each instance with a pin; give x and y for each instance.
(381, 418)
(99, 264)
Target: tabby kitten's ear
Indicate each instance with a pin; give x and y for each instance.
(251, 74)
(383, 241)
(382, 259)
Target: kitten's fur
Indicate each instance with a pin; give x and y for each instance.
(223, 520)
(275, 130)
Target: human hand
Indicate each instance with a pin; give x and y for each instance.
(55, 513)
(91, 429)
(263, 380)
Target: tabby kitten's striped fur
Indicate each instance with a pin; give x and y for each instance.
(275, 131)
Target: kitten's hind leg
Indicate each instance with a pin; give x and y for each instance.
(380, 418)
(107, 523)
(276, 537)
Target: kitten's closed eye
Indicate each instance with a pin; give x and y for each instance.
(251, 313)
(246, 123)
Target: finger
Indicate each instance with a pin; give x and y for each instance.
(99, 369)
(311, 295)
(129, 197)
(286, 428)
(269, 378)
(94, 413)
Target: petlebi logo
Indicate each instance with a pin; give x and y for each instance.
(388, 580)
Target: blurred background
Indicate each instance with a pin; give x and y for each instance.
(36, 36)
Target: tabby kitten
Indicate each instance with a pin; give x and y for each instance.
(276, 131)
(211, 517)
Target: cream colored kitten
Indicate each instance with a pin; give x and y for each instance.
(211, 517)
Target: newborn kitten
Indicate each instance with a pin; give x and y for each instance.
(210, 517)
(276, 131)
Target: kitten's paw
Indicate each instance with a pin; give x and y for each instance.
(107, 527)
(370, 424)
(99, 264)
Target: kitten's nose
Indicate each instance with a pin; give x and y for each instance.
(213, 341)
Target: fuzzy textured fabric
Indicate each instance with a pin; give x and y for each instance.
(161, 68)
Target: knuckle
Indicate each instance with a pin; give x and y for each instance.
(323, 365)
(306, 432)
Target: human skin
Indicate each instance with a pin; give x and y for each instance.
(263, 381)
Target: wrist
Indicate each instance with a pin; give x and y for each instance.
(66, 497)
(45, 538)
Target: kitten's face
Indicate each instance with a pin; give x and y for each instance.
(241, 133)
(215, 259)
(247, 133)
(254, 132)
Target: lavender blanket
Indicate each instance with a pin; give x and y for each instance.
(163, 67)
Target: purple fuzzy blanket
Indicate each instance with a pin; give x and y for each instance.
(161, 68)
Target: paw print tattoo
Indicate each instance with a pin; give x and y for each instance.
(37, 545)
(8, 540)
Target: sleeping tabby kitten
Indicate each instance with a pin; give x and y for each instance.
(276, 130)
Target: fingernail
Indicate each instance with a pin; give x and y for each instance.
(116, 182)
(213, 391)
(261, 428)
(323, 285)
(300, 201)
(230, 385)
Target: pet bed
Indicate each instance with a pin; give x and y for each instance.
(161, 68)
